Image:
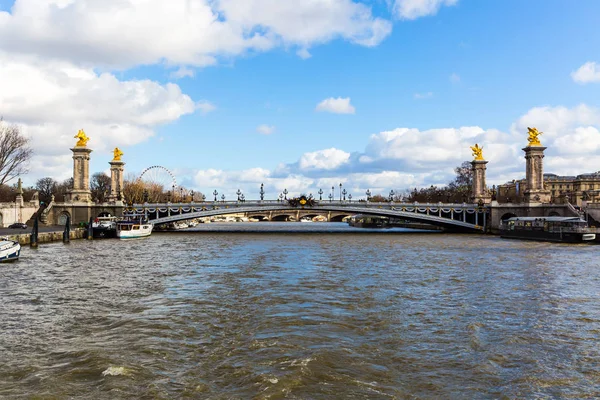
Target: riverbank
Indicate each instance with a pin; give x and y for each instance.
(24, 238)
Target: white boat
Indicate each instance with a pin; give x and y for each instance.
(306, 219)
(133, 228)
(10, 250)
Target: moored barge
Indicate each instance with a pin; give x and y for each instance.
(550, 229)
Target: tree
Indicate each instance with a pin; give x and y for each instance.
(46, 187)
(62, 189)
(100, 186)
(461, 187)
(15, 152)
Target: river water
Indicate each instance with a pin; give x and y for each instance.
(321, 313)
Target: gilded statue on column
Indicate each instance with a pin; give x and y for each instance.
(117, 154)
(477, 152)
(83, 139)
(533, 137)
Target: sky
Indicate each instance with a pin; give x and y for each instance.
(305, 94)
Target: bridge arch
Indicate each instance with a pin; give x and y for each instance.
(507, 216)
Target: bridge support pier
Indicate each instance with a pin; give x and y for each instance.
(535, 192)
(480, 193)
(116, 182)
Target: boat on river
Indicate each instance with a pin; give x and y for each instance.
(10, 250)
(104, 227)
(550, 229)
(134, 227)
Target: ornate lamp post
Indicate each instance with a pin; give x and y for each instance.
(285, 192)
(344, 193)
(340, 191)
(242, 198)
(368, 193)
(332, 193)
(280, 196)
(180, 194)
(320, 194)
(350, 198)
(262, 191)
(203, 198)
(239, 193)
(215, 193)
(223, 198)
(192, 196)
(173, 191)
(392, 195)
(330, 197)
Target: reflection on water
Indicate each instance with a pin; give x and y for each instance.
(301, 315)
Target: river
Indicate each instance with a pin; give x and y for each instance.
(322, 312)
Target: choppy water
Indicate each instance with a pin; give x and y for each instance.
(301, 316)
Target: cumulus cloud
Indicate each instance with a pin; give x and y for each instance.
(265, 129)
(404, 158)
(324, 159)
(413, 9)
(52, 100)
(117, 33)
(587, 73)
(339, 105)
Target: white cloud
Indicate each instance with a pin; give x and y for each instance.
(182, 72)
(265, 129)
(587, 73)
(125, 33)
(324, 159)
(421, 96)
(413, 9)
(52, 100)
(336, 105)
(303, 53)
(455, 78)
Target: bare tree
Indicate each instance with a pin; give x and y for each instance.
(46, 187)
(15, 152)
(100, 186)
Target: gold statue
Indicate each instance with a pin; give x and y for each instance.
(477, 152)
(117, 154)
(83, 139)
(533, 137)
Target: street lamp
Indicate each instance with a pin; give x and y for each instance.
(330, 197)
(320, 194)
(340, 191)
(203, 198)
(180, 194)
(239, 192)
(368, 193)
(332, 193)
(350, 198)
(262, 191)
(285, 192)
(280, 196)
(223, 198)
(192, 196)
(392, 195)
(344, 193)
(173, 191)
(215, 193)
(242, 198)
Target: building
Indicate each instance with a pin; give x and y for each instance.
(578, 190)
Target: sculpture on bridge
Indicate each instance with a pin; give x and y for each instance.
(302, 201)
(477, 152)
(533, 137)
(83, 139)
(117, 154)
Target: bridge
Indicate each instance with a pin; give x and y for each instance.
(451, 217)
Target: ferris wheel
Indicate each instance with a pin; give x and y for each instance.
(159, 176)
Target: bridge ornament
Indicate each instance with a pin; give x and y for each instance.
(533, 138)
(302, 201)
(83, 139)
(117, 154)
(477, 152)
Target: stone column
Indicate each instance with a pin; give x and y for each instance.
(81, 176)
(480, 192)
(534, 175)
(116, 182)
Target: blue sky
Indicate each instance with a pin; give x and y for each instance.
(226, 94)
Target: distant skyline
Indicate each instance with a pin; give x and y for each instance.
(302, 95)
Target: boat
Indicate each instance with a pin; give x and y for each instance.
(305, 219)
(134, 227)
(104, 227)
(10, 250)
(549, 229)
